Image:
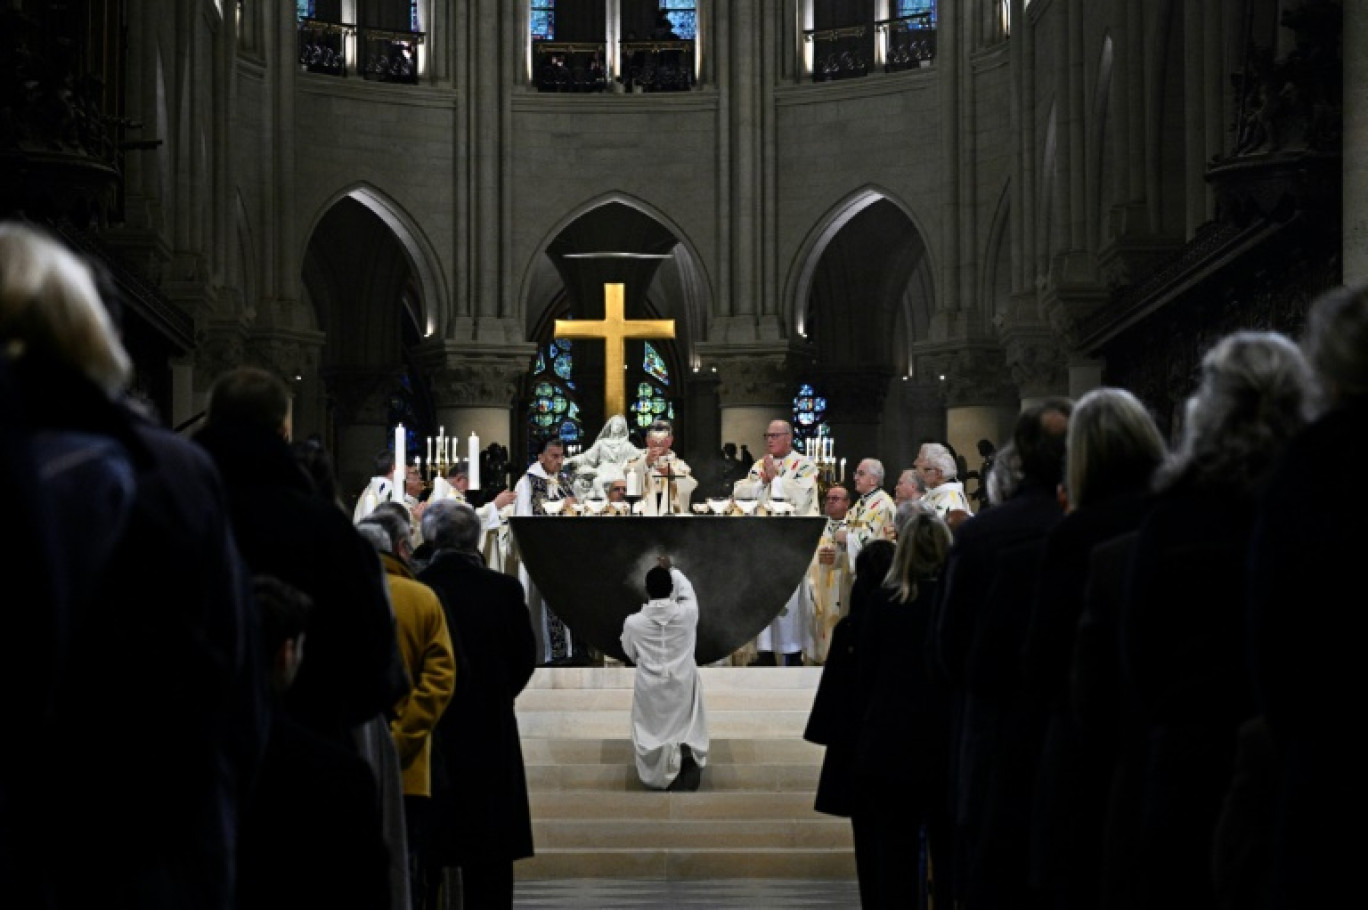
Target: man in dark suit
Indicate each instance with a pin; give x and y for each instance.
(481, 822)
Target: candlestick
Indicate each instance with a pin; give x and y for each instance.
(474, 472)
(400, 470)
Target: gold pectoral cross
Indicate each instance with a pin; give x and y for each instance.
(614, 329)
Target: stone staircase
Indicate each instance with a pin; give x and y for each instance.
(751, 818)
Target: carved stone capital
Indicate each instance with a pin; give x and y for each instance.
(290, 353)
(1038, 362)
(219, 346)
(969, 376)
(757, 378)
(469, 376)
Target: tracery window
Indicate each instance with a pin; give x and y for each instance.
(543, 20)
(651, 398)
(913, 7)
(554, 410)
(683, 16)
(809, 418)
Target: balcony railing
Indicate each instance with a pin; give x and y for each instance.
(570, 66)
(909, 42)
(840, 53)
(389, 56)
(658, 66)
(323, 46)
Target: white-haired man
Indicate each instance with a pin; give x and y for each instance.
(937, 469)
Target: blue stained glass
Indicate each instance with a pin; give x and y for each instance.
(910, 7)
(540, 366)
(413, 16)
(574, 411)
(543, 389)
(544, 23)
(683, 16)
(558, 404)
(543, 420)
(563, 366)
(569, 431)
(653, 364)
(304, 9)
(821, 405)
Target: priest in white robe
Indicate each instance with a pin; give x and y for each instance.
(783, 479)
(494, 543)
(829, 577)
(669, 724)
(665, 480)
(379, 489)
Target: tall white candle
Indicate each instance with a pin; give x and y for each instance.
(474, 473)
(400, 465)
(633, 483)
(429, 449)
(842, 476)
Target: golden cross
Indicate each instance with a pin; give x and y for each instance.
(614, 330)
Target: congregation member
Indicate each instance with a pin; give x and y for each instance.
(1113, 448)
(669, 722)
(1306, 671)
(496, 543)
(425, 643)
(481, 821)
(982, 610)
(545, 481)
(665, 480)
(839, 704)
(311, 832)
(902, 747)
(1184, 624)
(783, 475)
(127, 595)
(936, 466)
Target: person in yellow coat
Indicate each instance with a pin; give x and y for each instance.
(426, 646)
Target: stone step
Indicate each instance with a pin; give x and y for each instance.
(821, 833)
(688, 864)
(573, 724)
(727, 805)
(622, 777)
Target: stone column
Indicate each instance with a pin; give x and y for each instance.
(360, 397)
(979, 398)
(1355, 49)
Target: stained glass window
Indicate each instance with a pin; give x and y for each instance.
(304, 9)
(403, 409)
(413, 16)
(654, 365)
(910, 7)
(683, 16)
(651, 401)
(554, 410)
(543, 20)
(809, 417)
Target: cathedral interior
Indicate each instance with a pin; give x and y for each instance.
(890, 220)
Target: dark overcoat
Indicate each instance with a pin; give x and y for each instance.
(479, 786)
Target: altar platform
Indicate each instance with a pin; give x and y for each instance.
(592, 570)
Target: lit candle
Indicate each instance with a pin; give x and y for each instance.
(474, 473)
(842, 474)
(397, 485)
(429, 449)
(633, 483)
